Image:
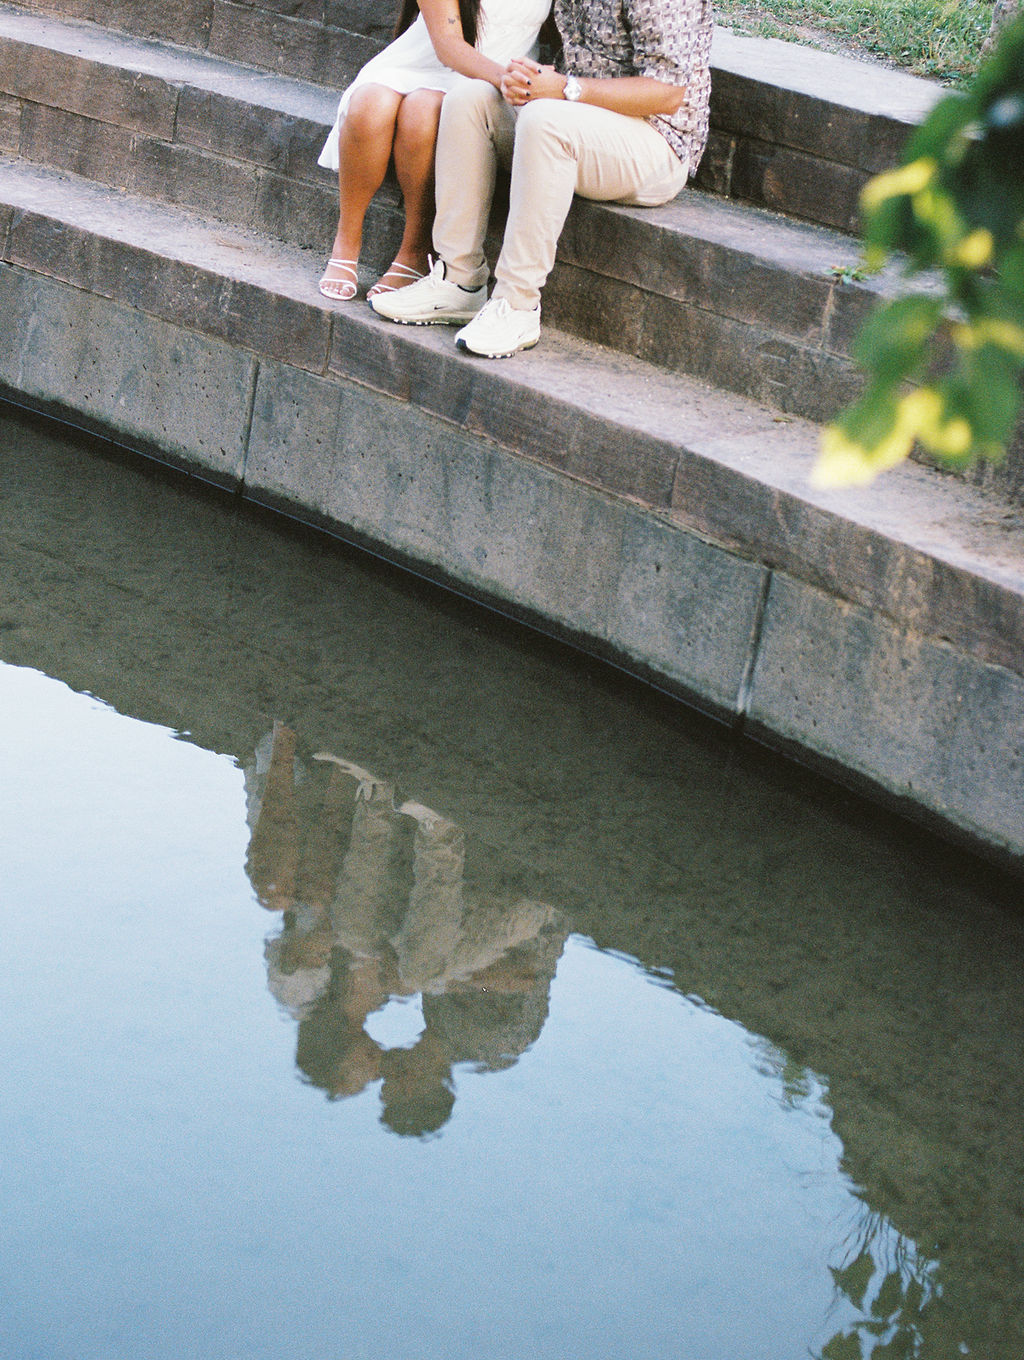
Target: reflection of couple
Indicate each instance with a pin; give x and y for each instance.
(376, 906)
(623, 118)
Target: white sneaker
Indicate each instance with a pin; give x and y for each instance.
(432, 301)
(499, 330)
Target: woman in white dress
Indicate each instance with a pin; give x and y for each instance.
(392, 109)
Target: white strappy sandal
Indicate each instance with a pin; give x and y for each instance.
(340, 290)
(405, 273)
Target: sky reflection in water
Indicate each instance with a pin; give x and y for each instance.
(528, 1147)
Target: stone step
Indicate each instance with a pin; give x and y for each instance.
(308, 39)
(662, 522)
(794, 130)
(725, 291)
(800, 131)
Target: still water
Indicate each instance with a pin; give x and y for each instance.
(379, 980)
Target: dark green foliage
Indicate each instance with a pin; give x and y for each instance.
(955, 207)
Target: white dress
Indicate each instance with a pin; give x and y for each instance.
(507, 29)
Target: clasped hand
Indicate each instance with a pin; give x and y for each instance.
(525, 80)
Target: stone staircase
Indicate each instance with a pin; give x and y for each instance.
(638, 482)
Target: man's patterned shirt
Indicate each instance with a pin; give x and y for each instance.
(667, 39)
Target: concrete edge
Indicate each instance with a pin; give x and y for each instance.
(732, 636)
(929, 552)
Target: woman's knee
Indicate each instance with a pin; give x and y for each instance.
(418, 116)
(372, 111)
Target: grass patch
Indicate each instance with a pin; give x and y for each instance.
(935, 38)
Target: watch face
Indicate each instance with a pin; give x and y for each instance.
(572, 89)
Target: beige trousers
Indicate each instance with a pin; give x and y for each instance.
(555, 149)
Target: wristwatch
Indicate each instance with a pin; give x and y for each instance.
(572, 89)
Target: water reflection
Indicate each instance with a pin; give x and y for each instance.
(889, 1285)
(376, 908)
(876, 1214)
(375, 911)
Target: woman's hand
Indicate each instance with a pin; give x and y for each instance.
(525, 80)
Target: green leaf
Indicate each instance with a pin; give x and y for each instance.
(889, 1298)
(1011, 275)
(854, 1279)
(893, 342)
(956, 204)
(871, 418)
(987, 394)
(843, 1347)
(944, 123)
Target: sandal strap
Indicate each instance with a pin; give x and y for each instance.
(404, 271)
(399, 271)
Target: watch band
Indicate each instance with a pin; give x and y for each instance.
(572, 89)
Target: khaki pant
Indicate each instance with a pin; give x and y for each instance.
(556, 149)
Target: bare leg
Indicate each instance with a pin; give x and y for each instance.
(364, 150)
(415, 139)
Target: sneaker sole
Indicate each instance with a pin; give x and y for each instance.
(462, 320)
(497, 353)
(436, 318)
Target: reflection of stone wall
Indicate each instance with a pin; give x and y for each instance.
(884, 962)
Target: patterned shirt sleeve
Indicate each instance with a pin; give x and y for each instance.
(672, 42)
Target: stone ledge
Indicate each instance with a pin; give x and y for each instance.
(929, 725)
(800, 131)
(622, 505)
(941, 558)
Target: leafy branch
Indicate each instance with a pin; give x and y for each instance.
(944, 360)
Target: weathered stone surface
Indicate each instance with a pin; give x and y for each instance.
(604, 310)
(296, 47)
(506, 527)
(761, 111)
(171, 173)
(846, 86)
(198, 299)
(375, 18)
(312, 10)
(305, 214)
(248, 132)
(80, 145)
(795, 182)
(508, 407)
(852, 304)
(154, 385)
(747, 359)
(714, 174)
(864, 558)
(10, 124)
(130, 99)
(180, 21)
(685, 608)
(712, 254)
(914, 716)
(1006, 477)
